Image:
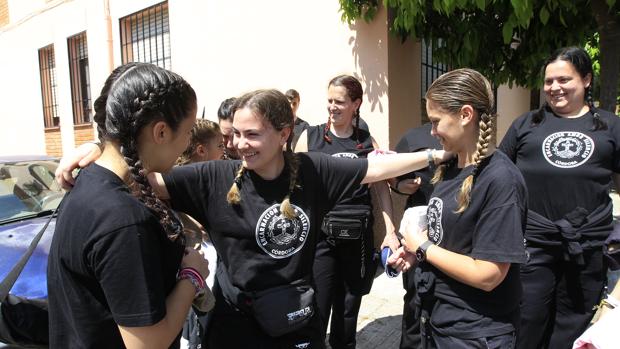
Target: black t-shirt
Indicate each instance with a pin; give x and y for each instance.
(110, 263)
(259, 247)
(343, 148)
(417, 139)
(565, 165)
(490, 229)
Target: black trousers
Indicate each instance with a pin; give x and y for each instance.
(558, 296)
(340, 287)
(230, 328)
(410, 331)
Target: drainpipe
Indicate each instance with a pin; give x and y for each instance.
(108, 20)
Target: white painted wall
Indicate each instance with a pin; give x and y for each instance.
(223, 48)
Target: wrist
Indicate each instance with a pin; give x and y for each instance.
(395, 188)
(431, 158)
(193, 276)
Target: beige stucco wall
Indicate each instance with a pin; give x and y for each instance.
(511, 102)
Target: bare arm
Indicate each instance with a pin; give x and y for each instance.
(165, 331)
(394, 165)
(161, 334)
(382, 192)
(159, 186)
(477, 273)
(302, 143)
(484, 275)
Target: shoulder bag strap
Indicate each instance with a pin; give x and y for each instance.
(12, 276)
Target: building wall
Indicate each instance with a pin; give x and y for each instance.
(511, 103)
(223, 48)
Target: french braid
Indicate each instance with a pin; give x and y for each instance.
(451, 92)
(134, 96)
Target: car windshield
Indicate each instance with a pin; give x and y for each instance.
(28, 188)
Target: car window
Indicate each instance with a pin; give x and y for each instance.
(27, 188)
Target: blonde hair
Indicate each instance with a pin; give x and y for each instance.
(275, 108)
(450, 92)
(204, 131)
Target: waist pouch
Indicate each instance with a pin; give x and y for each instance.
(278, 310)
(284, 309)
(347, 222)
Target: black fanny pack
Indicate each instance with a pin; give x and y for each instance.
(284, 309)
(347, 222)
(278, 310)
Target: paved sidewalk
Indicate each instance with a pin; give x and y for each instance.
(379, 320)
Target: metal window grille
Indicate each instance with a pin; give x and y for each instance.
(80, 79)
(47, 70)
(431, 70)
(145, 36)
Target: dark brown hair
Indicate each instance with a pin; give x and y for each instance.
(133, 96)
(275, 108)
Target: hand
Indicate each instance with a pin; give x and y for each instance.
(195, 259)
(401, 260)
(413, 238)
(409, 186)
(391, 241)
(79, 157)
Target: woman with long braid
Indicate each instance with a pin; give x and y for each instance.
(119, 274)
(263, 214)
(569, 154)
(344, 267)
(467, 278)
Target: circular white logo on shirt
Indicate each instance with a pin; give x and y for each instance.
(345, 155)
(279, 236)
(567, 149)
(435, 230)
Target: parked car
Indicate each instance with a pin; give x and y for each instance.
(28, 196)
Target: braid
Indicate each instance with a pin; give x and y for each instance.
(599, 124)
(144, 192)
(485, 136)
(234, 194)
(285, 207)
(357, 129)
(328, 125)
(441, 170)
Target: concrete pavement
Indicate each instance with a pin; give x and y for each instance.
(379, 320)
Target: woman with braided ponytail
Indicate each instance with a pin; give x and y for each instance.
(344, 267)
(119, 274)
(569, 154)
(467, 276)
(264, 214)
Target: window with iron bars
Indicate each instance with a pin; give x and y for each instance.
(431, 70)
(145, 36)
(80, 79)
(47, 70)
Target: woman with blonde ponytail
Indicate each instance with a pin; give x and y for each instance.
(467, 282)
(264, 214)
